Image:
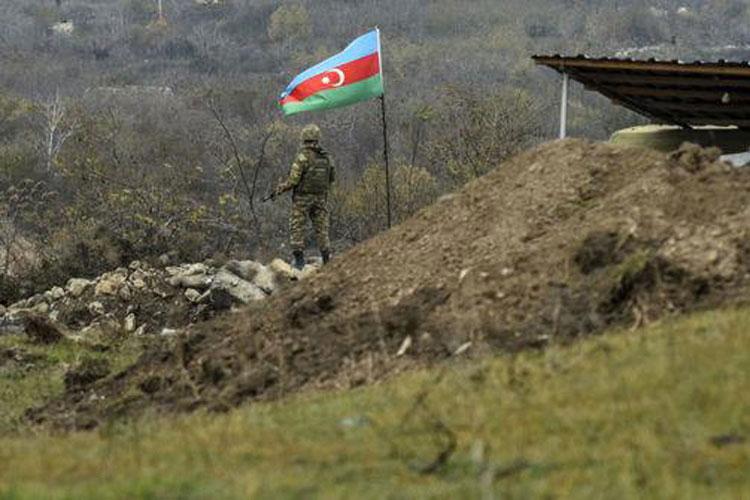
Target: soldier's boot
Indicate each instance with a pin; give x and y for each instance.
(299, 259)
(326, 255)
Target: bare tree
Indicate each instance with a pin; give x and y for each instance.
(57, 125)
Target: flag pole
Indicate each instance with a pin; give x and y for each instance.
(385, 136)
(387, 166)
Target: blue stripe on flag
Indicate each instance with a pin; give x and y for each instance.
(359, 48)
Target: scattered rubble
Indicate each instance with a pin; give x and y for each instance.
(142, 299)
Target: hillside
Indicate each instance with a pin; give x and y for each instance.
(565, 240)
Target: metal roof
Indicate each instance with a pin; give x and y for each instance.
(676, 92)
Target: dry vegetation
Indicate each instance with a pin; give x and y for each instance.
(128, 137)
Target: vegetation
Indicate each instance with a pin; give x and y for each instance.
(649, 414)
(151, 135)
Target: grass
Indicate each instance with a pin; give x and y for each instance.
(657, 413)
(31, 383)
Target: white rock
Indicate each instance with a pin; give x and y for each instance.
(254, 272)
(110, 283)
(76, 286)
(197, 281)
(41, 308)
(57, 293)
(96, 308)
(193, 295)
(129, 324)
(241, 290)
(283, 269)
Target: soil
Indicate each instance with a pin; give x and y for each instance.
(562, 241)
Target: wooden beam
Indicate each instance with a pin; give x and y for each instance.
(716, 96)
(565, 63)
(666, 81)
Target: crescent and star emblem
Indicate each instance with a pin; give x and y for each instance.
(341, 77)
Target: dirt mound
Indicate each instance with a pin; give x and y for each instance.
(562, 241)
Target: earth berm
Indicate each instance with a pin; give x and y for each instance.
(562, 241)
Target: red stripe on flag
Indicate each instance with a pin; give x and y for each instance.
(353, 72)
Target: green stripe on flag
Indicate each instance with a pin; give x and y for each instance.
(335, 98)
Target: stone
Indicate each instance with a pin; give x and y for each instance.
(41, 308)
(96, 308)
(188, 269)
(141, 330)
(35, 300)
(136, 264)
(137, 279)
(217, 299)
(193, 295)
(254, 272)
(241, 290)
(284, 269)
(129, 324)
(197, 281)
(110, 283)
(125, 293)
(56, 293)
(2, 310)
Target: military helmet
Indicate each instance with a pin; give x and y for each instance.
(311, 133)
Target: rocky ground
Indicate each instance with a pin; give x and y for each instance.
(566, 240)
(145, 300)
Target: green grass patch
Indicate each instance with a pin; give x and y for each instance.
(37, 373)
(658, 413)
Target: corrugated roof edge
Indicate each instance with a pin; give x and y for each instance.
(582, 57)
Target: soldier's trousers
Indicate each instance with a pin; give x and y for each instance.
(316, 208)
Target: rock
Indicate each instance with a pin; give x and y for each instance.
(193, 295)
(125, 293)
(197, 281)
(218, 299)
(141, 330)
(96, 308)
(110, 283)
(129, 324)
(137, 279)
(135, 265)
(35, 300)
(283, 268)
(76, 286)
(56, 293)
(243, 291)
(2, 310)
(188, 269)
(169, 332)
(254, 272)
(41, 308)
(21, 304)
(41, 331)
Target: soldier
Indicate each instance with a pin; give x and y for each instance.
(310, 179)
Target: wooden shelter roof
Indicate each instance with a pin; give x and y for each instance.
(675, 92)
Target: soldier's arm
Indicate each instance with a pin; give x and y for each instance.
(295, 174)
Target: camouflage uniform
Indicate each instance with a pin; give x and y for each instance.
(310, 178)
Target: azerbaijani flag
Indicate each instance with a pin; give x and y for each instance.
(350, 76)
